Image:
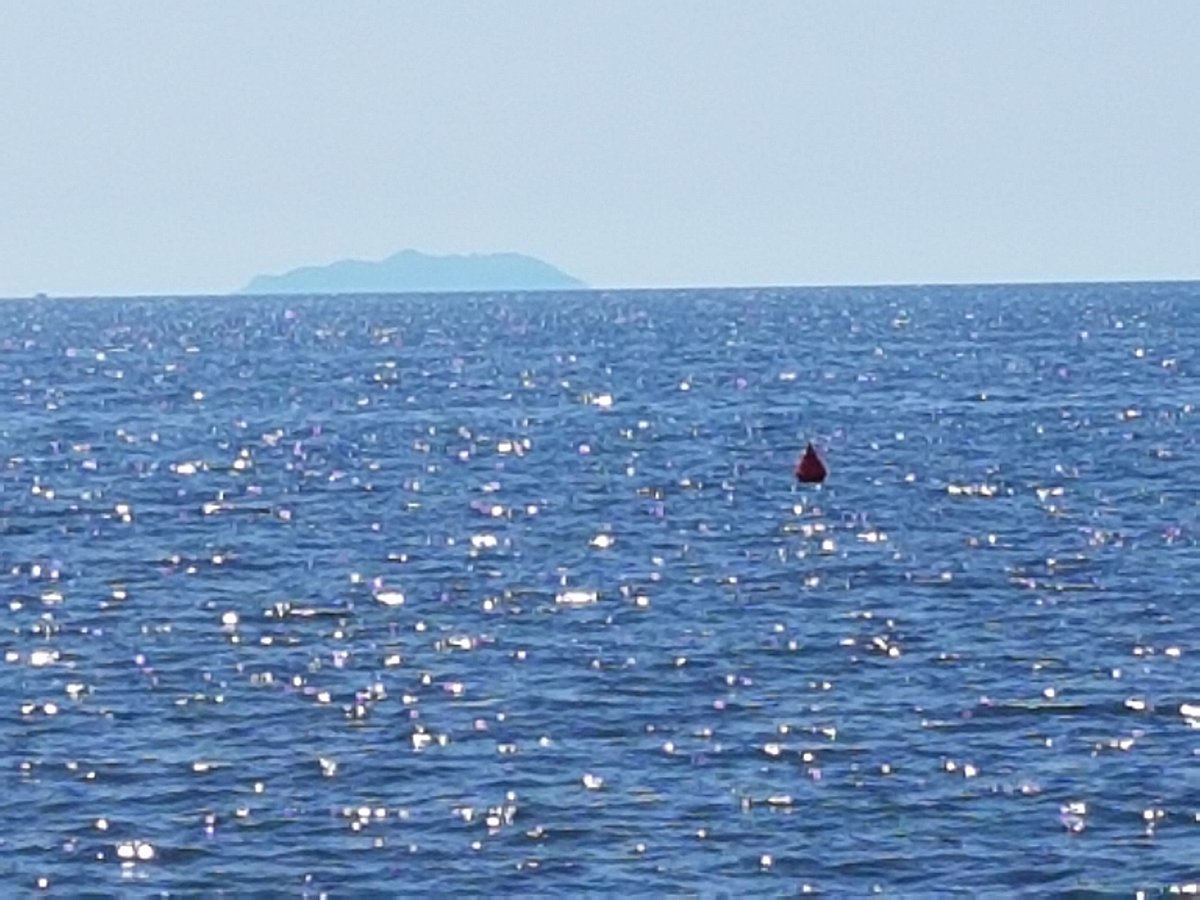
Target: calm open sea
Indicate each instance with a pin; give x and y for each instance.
(518, 594)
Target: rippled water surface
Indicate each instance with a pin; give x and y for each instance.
(519, 594)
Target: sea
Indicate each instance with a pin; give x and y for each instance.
(518, 594)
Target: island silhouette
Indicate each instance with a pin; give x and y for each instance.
(411, 271)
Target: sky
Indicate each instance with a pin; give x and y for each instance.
(165, 148)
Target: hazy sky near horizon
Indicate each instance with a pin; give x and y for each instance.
(153, 147)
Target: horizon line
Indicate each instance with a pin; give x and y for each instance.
(585, 289)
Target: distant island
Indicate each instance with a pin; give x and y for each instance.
(410, 271)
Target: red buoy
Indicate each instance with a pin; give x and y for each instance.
(810, 469)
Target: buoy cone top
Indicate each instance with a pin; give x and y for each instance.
(810, 469)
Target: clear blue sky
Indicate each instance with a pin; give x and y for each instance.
(159, 147)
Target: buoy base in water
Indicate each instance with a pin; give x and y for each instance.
(810, 469)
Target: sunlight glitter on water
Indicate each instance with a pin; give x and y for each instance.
(316, 547)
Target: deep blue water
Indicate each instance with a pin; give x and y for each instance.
(633, 655)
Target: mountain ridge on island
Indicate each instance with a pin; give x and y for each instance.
(411, 271)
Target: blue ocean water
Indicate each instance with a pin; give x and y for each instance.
(518, 594)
